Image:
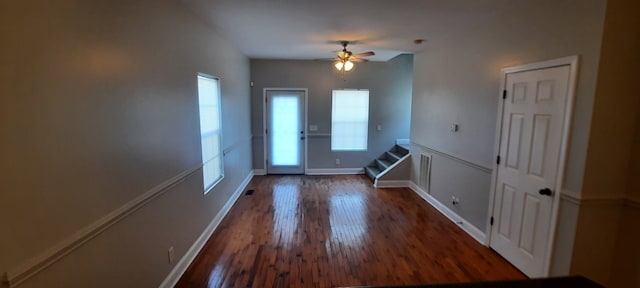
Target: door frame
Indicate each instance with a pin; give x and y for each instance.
(305, 93)
(573, 62)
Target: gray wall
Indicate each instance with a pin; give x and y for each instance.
(389, 84)
(99, 105)
(457, 80)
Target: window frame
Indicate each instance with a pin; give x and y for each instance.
(334, 93)
(209, 186)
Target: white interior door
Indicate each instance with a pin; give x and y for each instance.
(530, 144)
(285, 131)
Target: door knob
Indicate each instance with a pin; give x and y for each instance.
(545, 191)
(302, 138)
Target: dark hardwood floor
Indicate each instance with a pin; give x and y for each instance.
(328, 231)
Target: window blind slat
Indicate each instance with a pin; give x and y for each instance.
(349, 120)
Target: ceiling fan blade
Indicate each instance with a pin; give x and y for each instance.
(358, 60)
(364, 54)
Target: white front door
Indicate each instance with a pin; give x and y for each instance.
(285, 131)
(529, 150)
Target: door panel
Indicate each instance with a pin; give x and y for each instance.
(504, 225)
(529, 222)
(515, 137)
(541, 125)
(285, 132)
(533, 117)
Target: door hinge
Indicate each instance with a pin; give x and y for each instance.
(491, 221)
(266, 131)
(504, 94)
(498, 160)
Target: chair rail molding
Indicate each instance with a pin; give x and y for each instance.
(33, 266)
(453, 157)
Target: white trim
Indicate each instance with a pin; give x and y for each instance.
(385, 171)
(570, 197)
(208, 188)
(33, 266)
(259, 172)
(599, 200)
(569, 60)
(569, 194)
(304, 125)
(264, 129)
(453, 216)
(172, 279)
(572, 62)
(392, 184)
(594, 200)
(334, 171)
(576, 197)
(454, 158)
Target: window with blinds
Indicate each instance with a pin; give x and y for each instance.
(210, 130)
(349, 120)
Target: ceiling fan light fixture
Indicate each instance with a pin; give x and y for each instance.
(345, 58)
(348, 66)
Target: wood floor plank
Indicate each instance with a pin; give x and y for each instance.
(330, 231)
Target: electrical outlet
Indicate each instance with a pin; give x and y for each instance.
(455, 200)
(337, 161)
(170, 255)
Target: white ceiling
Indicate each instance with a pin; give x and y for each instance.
(304, 29)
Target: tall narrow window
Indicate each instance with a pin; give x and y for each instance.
(210, 130)
(349, 120)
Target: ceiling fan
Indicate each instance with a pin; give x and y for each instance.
(345, 58)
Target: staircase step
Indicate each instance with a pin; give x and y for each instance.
(399, 150)
(383, 164)
(393, 157)
(372, 172)
(385, 161)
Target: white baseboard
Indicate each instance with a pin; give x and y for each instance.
(335, 171)
(453, 216)
(392, 184)
(259, 172)
(172, 279)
